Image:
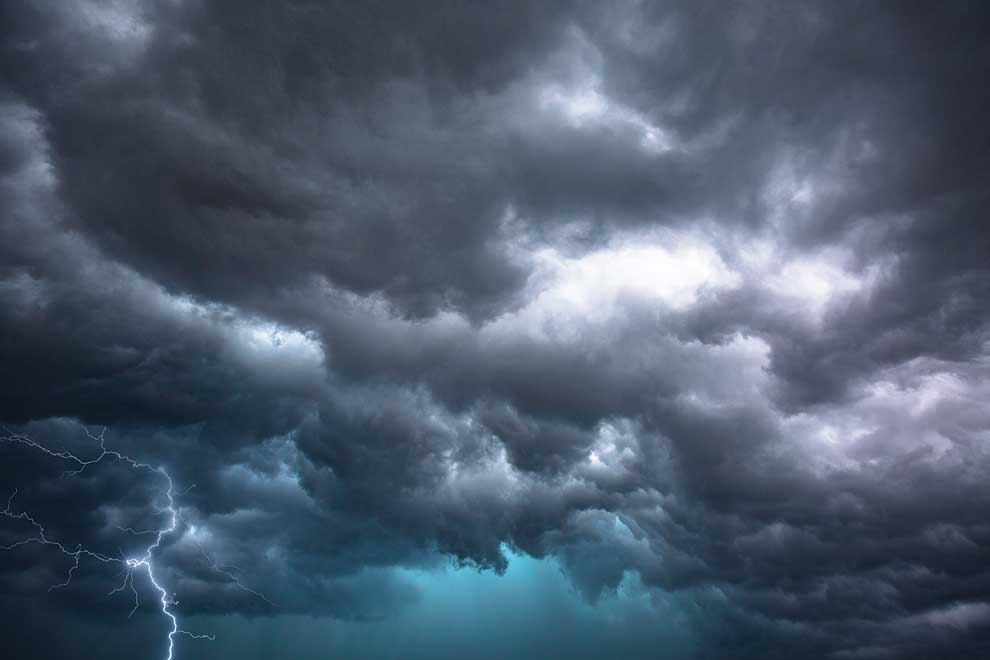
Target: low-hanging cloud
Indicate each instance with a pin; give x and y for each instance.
(689, 292)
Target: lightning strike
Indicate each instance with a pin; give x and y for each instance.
(142, 562)
(236, 581)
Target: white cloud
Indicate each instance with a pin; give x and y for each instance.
(586, 106)
(569, 292)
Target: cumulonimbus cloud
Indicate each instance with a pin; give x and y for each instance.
(697, 288)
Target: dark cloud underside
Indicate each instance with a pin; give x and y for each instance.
(686, 296)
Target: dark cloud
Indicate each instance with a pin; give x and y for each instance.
(688, 296)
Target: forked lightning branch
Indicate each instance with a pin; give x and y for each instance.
(142, 562)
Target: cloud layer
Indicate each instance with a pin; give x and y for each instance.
(691, 294)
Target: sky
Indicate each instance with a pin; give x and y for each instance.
(532, 330)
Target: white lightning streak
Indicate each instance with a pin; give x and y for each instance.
(236, 581)
(131, 564)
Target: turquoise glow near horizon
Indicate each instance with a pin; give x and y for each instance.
(531, 611)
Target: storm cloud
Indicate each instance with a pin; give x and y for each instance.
(688, 299)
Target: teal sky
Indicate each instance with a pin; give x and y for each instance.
(532, 611)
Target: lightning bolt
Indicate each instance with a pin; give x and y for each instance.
(236, 581)
(142, 562)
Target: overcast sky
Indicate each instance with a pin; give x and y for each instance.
(498, 329)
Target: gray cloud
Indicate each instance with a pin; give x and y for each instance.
(688, 292)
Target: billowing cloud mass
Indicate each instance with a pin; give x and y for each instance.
(688, 296)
